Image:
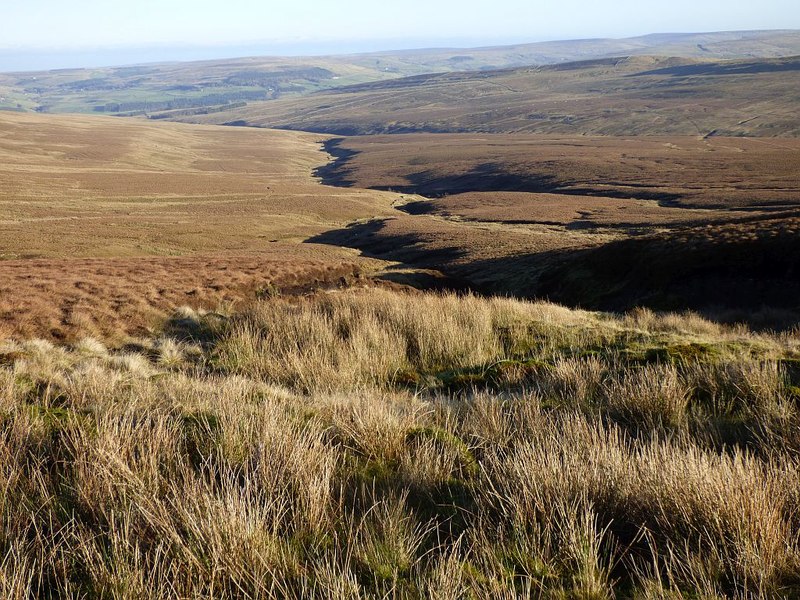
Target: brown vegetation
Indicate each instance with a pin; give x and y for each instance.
(622, 96)
(366, 443)
(107, 225)
(116, 298)
(448, 447)
(94, 186)
(606, 223)
(669, 172)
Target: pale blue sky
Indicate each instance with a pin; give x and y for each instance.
(30, 26)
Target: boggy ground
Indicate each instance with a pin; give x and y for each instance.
(375, 444)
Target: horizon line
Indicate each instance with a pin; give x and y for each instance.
(260, 48)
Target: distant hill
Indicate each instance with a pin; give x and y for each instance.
(641, 95)
(211, 86)
(712, 46)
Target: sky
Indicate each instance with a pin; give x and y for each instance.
(103, 31)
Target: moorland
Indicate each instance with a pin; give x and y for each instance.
(470, 323)
(603, 222)
(616, 96)
(218, 86)
(108, 225)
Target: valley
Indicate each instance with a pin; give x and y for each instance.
(503, 322)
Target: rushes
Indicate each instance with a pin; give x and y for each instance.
(280, 465)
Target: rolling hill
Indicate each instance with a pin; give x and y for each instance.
(217, 382)
(106, 223)
(218, 85)
(615, 96)
(559, 166)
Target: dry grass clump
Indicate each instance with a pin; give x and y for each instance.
(724, 519)
(687, 322)
(351, 339)
(652, 397)
(591, 473)
(91, 347)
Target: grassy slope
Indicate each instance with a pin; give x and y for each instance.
(106, 222)
(111, 187)
(211, 84)
(374, 444)
(366, 443)
(602, 222)
(622, 96)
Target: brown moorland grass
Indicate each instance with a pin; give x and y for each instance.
(79, 187)
(603, 460)
(603, 222)
(671, 171)
(565, 210)
(119, 298)
(107, 225)
(744, 271)
(612, 96)
(75, 186)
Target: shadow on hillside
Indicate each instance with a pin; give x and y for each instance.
(485, 177)
(722, 69)
(751, 275)
(409, 249)
(372, 239)
(494, 177)
(336, 173)
(734, 275)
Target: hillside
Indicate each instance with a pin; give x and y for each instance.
(107, 223)
(668, 171)
(251, 363)
(205, 87)
(602, 222)
(618, 96)
(367, 444)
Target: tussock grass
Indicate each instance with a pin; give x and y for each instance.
(574, 463)
(355, 339)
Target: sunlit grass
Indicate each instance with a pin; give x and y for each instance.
(279, 455)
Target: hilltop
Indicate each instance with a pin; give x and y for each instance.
(212, 86)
